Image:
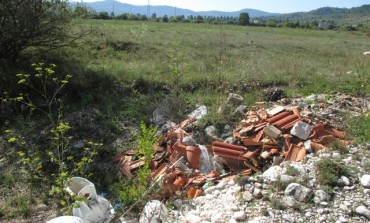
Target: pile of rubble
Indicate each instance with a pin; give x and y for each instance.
(264, 137)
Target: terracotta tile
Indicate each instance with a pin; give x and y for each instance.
(336, 133)
(317, 147)
(284, 121)
(176, 180)
(124, 165)
(180, 148)
(295, 153)
(194, 192)
(213, 174)
(161, 170)
(278, 117)
(326, 139)
(291, 124)
(250, 142)
(187, 122)
(296, 111)
(193, 155)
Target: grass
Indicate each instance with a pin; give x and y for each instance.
(277, 204)
(292, 171)
(224, 58)
(358, 128)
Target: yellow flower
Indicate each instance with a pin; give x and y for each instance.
(13, 139)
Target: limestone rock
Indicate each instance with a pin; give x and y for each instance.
(299, 192)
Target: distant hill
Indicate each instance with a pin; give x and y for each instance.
(341, 16)
(120, 8)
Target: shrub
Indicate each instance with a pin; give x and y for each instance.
(329, 171)
(277, 204)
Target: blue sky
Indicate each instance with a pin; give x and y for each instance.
(280, 6)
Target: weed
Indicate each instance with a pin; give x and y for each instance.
(7, 180)
(304, 179)
(137, 189)
(328, 189)
(61, 162)
(264, 212)
(242, 180)
(297, 207)
(329, 171)
(367, 166)
(21, 203)
(357, 157)
(277, 204)
(338, 146)
(292, 171)
(280, 185)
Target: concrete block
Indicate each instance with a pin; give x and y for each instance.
(301, 130)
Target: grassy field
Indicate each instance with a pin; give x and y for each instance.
(206, 58)
(123, 70)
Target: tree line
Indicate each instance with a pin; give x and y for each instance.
(243, 19)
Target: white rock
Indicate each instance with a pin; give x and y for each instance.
(240, 215)
(257, 193)
(289, 201)
(273, 173)
(235, 99)
(299, 192)
(248, 196)
(217, 217)
(288, 218)
(191, 218)
(365, 180)
(154, 212)
(199, 113)
(345, 180)
(259, 220)
(367, 191)
(363, 211)
(321, 196)
(342, 219)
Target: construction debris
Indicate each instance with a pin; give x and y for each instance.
(264, 137)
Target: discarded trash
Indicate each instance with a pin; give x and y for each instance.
(264, 137)
(66, 219)
(96, 208)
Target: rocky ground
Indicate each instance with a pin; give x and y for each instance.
(260, 199)
(291, 191)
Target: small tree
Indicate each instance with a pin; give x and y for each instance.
(243, 19)
(32, 23)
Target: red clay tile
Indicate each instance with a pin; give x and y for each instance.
(180, 148)
(278, 117)
(317, 147)
(282, 122)
(193, 155)
(161, 170)
(176, 180)
(296, 111)
(295, 153)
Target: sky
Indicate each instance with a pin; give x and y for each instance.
(278, 6)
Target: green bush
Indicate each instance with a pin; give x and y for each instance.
(329, 171)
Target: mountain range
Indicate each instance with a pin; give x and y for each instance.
(119, 8)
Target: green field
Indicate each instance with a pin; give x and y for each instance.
(206, 57)
(205, 62)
